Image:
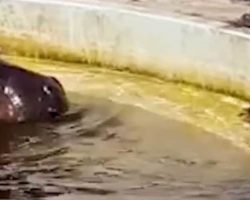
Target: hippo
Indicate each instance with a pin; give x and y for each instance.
(29, 96)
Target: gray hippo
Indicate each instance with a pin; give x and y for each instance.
(29, 96)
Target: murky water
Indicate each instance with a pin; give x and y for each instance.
(137, 138)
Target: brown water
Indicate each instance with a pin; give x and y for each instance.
(137, 138)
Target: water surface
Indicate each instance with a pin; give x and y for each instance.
(137, 138)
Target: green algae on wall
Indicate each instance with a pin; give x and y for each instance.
(27, 46)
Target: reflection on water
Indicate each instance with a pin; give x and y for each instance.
(103, 149)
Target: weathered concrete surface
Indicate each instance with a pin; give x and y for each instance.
(176, 48)
(217, 10)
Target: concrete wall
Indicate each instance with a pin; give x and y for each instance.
(174, 48)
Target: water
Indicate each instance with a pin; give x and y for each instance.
(137, 138)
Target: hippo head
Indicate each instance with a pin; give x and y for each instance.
(53, 101)
(28, 96)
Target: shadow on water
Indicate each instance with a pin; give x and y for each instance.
(107, 150)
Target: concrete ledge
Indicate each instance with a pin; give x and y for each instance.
(169, 47)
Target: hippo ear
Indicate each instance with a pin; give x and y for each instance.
(55, 80)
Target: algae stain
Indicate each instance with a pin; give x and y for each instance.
(27, 46)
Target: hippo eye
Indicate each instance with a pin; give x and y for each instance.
(47, 90)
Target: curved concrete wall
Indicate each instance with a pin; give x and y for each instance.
(170, 47)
